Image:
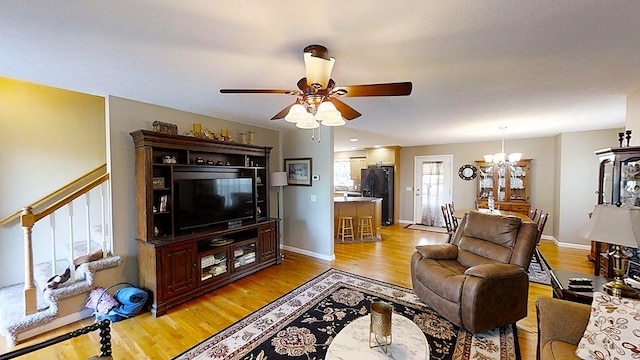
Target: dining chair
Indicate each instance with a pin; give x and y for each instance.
(533, 213)
(447, 220)
(541, 222)
(454, 220)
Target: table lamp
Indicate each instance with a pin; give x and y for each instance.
(620, 227)
(279, 179)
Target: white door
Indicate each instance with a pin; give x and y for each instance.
(432, 188)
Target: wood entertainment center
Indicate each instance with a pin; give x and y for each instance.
(202, 215)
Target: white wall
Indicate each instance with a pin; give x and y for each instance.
(126, 116)
(308, 225)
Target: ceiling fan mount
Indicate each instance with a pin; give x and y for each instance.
(317, 87)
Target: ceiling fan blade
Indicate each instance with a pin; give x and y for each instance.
(347, 111)
(283, 113)
(259, 91)
(387, 89)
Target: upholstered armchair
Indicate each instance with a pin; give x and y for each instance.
(558, 339)
(478, 280)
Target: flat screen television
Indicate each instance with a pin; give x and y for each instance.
(208, 199)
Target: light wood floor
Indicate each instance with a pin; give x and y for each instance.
(147, 337)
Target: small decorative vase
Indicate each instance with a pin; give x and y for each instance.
(243, 138)
(252, 138)
(380, 328)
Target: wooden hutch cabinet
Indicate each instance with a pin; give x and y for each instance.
(508, 184)
(618, 184)
(202, 215)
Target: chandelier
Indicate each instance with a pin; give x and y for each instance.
(502, 158)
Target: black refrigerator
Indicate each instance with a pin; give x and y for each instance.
(378, 182)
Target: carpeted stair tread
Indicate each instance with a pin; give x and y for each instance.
(12, 318)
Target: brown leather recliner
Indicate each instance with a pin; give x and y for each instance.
(478, 280)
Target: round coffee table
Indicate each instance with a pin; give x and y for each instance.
(352, 342)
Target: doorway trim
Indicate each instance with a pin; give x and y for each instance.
(447, 161)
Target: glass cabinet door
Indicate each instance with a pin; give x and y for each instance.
(485, 180)
(518, 180)
(605, 190)
(630, 182)
(244, 255)
(213, 265)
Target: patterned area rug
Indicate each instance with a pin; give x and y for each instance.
(302, 324)
(539, 271)
(426, 228)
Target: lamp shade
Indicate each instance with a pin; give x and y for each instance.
(279, 178)
(308, 123)
(297, 113)
(329, 115)
(614, 225)
(318, 70)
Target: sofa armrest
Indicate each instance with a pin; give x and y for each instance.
(495, 271)
(561, 320)
(438, 252)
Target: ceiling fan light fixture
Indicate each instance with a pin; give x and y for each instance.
(329, 115)
(318, 70)
(297, 113)
(309, 123)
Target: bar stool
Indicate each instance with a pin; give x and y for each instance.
(365, 227)
(345, 228)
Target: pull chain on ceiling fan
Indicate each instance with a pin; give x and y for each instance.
(317, 95)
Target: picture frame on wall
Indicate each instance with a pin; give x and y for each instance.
(299, 171)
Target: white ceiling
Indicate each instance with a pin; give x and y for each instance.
(537, 67)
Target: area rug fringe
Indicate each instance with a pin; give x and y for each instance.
(320, 308)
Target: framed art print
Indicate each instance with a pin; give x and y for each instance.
(298, 171)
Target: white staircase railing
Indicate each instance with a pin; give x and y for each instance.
(88, 185)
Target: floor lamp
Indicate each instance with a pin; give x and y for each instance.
(279, 179)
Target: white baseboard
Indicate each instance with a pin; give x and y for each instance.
(59, 322)
(405, 222)
(310, 253)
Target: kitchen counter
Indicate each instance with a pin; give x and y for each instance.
(355, 199)
(338, 193)
(357, 207)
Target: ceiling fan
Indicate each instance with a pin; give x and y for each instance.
(318, 96)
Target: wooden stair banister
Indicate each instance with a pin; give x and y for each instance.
(28, 219)
(100, 170)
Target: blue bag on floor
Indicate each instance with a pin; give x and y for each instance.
(131, 300)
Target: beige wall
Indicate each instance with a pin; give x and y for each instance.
(578, 180)
(564, 175)
(307, 224)
(541, 150)
(48, 138)
(633, 118)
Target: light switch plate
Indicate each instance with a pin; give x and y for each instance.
(313, 198)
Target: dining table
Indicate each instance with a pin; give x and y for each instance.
(461, 212)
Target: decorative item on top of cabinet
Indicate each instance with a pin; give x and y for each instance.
(508, 184)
